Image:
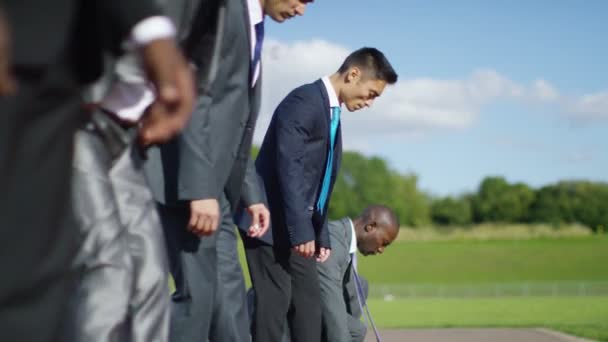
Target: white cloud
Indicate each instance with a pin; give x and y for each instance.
(544, 91)
(591, 106)
(413, 106)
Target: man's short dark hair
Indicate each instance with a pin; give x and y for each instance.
(383, 213)
(373, 61)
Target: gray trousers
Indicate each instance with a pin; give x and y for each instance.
(193, 265)
(356, 328)
(209, 299)
(123, 291)
(230, 321)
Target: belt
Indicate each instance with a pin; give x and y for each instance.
(116, 134)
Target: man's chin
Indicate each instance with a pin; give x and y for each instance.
(279, 18)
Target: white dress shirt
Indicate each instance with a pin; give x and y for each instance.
(256, 16)
(353, 239)
(131, 93)
(331, 92)
(152, 28)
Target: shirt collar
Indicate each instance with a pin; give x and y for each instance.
(331, 92)
(255, 12)
(353, 239)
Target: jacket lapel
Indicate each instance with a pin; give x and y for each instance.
(248, 34)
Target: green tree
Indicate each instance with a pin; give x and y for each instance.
(452, 211)
(499, 201)
(572, 202)
(363, 181)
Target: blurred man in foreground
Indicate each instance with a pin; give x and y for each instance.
(57, 47)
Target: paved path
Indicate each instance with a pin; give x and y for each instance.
(474, 335)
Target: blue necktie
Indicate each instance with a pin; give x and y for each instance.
(257, 50)
(335, 121)
(361, 297)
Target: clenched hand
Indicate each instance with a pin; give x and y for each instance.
(204, 217)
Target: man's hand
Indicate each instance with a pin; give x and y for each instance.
(323, 254)
(175, 93)
(306, 249)
(204, 217)
(260, 220)
(8, 85)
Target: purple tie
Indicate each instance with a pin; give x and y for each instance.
(257, 50)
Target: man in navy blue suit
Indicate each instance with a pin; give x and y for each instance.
(298, 164)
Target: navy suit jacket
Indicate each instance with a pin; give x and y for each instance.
(291, 165)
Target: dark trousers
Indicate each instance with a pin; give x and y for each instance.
(286, 285)
(38, 237)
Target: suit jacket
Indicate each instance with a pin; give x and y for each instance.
(339, 302)
(212, 153)
(292, 162)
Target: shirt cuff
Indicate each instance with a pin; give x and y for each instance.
(152, 28)
(128, 100)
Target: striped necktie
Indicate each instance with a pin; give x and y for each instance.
(333, 128)
(257, 50)
(361, 298)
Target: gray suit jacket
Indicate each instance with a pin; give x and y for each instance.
(212, 154)
(339, 303)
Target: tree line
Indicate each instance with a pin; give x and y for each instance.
(365, 180)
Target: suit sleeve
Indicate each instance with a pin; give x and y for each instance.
(124, 15)
(205, 151)
(323, 235)
(333, 306)
(252, 191)
(294, 128)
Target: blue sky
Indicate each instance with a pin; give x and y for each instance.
(516, 89)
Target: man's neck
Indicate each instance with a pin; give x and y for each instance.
(262, 7)
(336, 83)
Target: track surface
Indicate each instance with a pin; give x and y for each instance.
(473, 335)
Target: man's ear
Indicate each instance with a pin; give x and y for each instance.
(354, 74)
(371, 226)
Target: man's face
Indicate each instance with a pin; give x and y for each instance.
(360, 92)
(281, 10)
(376, 239)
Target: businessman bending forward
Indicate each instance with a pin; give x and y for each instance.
(369, 233)
(298, 163)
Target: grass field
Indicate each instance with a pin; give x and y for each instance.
(583, 316)
(470, 262)
(475, 262)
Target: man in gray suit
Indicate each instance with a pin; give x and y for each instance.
(370, 234)
(122, 292)
(197, 178)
